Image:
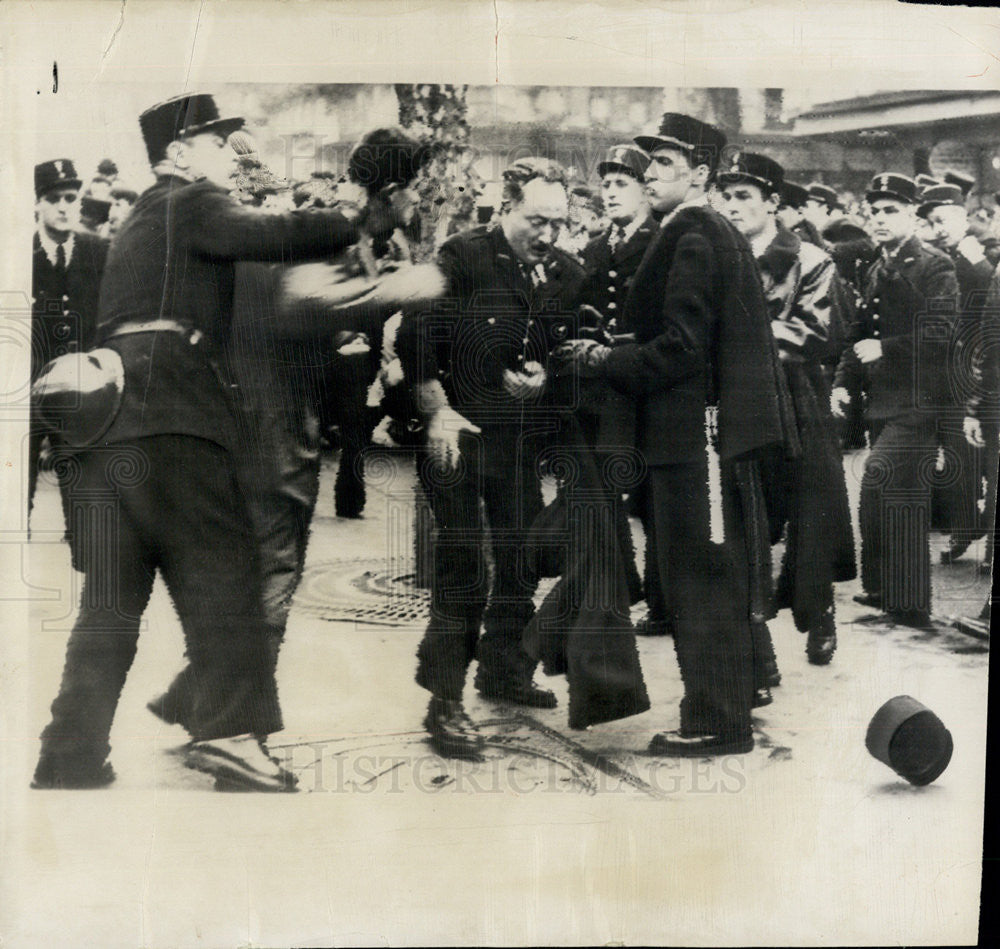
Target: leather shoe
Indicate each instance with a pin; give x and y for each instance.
(762, 697)
(822, 641)
(675, 744)
(240, 763)
(51, 776)
(772, 677)
(873, 600)
(521, 693)
(452, 733)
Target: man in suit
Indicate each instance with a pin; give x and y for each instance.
(479, 375)
(160, 491)
(804, 297)
(67, 264)
(704, 372)
(899, 352)
(943, 207)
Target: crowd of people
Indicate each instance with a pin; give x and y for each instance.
(694, 342)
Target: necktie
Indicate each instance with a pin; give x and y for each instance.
(617, 237)
(60, 258)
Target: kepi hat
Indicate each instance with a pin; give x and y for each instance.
(59, 173)
(182, 117)
(628, 159)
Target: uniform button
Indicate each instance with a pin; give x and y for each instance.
(875, 300)
(612, 273)
(612, 305)
(65, 298)
(520, 358)
(611, 289)
(874, 316)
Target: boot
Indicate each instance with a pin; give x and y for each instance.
(822, 641)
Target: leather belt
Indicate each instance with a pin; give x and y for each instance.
(156, 326)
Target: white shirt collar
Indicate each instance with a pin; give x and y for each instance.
(51, 247)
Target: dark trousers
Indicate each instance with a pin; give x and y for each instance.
(461, 584)
(708, 600)
(167, 502)
(895, 513)
(349, 411)
(959, 496)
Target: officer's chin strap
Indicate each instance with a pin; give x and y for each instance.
(717, 531)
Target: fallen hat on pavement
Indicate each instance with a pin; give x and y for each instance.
(910, 739)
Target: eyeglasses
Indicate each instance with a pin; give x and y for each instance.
(67, 197)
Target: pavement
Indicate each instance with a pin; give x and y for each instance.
(557, 837)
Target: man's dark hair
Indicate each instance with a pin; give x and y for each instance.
(384, 157)
(521, 172)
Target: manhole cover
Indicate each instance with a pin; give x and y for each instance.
(363, 591)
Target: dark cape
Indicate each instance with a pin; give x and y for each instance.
(746, 382)
(582, 629)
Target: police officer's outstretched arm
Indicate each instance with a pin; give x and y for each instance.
(215, 225)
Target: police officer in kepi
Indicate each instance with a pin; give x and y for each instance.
(704, 373)
(899, 352)
(809, 502)
(160, 492)
(943, 207)
(610, 261)
(66, 268)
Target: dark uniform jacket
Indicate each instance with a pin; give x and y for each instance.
(609, 272)
(174, 260)
(909, 303)
(493, 318)
(64, 306)
(703, 337)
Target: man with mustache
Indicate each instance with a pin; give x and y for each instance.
(478, 375)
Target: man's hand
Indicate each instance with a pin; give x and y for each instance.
(973, 432)
(868, 351)
(585, 355)
(840, 399)
(527, 385)
(443, 430)
(352, 344)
